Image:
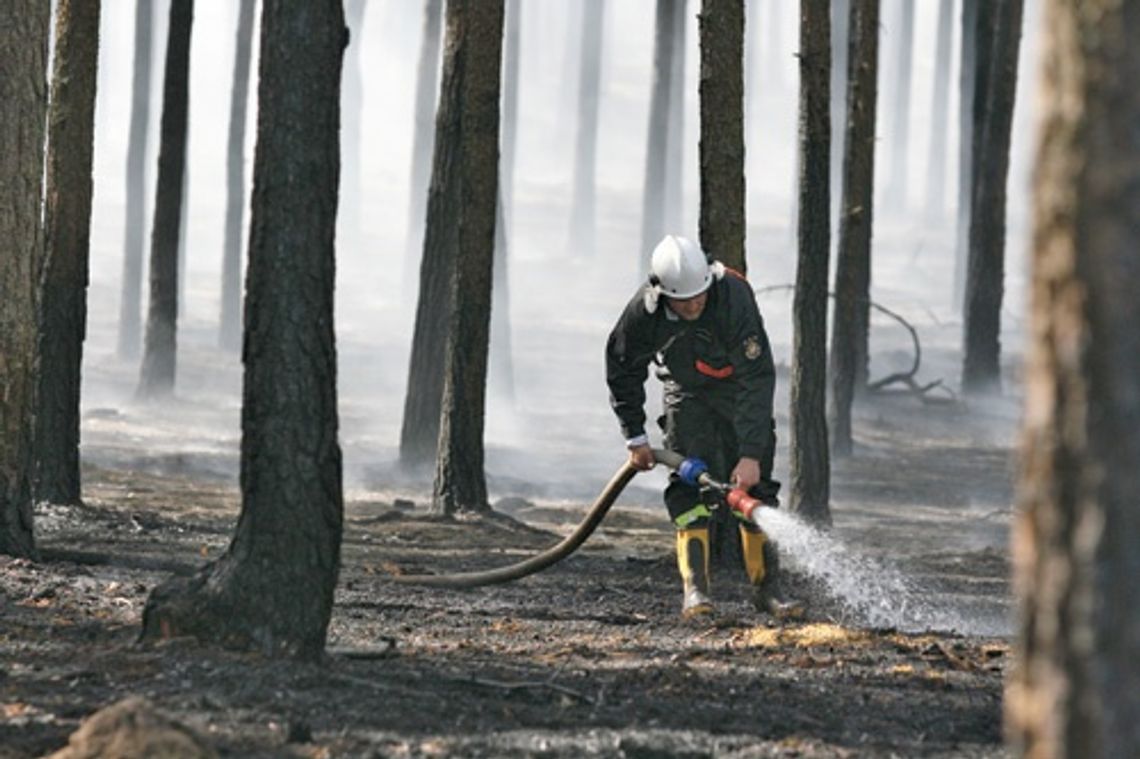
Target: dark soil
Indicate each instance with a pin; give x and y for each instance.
(589, 658)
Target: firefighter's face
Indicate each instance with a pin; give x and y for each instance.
(689, 309)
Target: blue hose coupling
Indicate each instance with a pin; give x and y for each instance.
(691, 470)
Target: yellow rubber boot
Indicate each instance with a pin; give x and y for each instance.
(693, 563)
(762, 564)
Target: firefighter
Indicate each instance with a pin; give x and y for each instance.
(698, 323)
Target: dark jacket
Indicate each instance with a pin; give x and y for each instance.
(723, 359)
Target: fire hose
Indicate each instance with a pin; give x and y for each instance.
(691, 470)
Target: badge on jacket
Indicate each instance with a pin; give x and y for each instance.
(752, 347)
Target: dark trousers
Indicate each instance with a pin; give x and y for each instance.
(694, 428)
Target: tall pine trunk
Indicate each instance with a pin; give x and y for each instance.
(851, 322)
(272, 590)
(427, 95)
(23, 103)
(1076, 689)
(473, 66)
(985, 272)
(67, 218)
(722, 131)
(584, 193)
(967, 79)
(230, 334)
(156, 378)
(134, 230)
(810, 466)
(657, 142)
(675, 148)
(939, 115)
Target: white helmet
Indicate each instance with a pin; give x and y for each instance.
(679, 268)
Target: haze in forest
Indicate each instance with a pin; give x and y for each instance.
(558, 437)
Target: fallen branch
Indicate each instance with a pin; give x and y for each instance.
(906, 378)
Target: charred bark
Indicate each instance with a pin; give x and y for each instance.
(722, 131)
(1076, 689)
(160, 348)
(272, 590)
(23, 103)
(967, 79)
(810, 466)
(67, 219)
(851, 323)
(475, 62)
(981, 366)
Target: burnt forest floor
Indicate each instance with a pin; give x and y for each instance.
(589, 658)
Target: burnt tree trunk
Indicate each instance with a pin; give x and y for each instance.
(981, 366)
(939, 115)
(156, 378)
(900, 122)
(230, 329)
(445, 235)
(810, 466)
(67, 221)
(134, 230)
(967, 78)
(23, 106)
(851, 322)
(1076, 689)
(273, 589)
(721, 33)
(473, 66)
(584, 198)
(427, 95)
(657, 141)
(722, 131)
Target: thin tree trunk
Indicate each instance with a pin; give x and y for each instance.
(939, 115)
(900, 128)
(134, 231)
(1076, 689)
(981, 368)
(230, 334)
(428, 94)
(722, 131)
(675, 148)
(23, 105)
(840, 35)
(67, 219)
(851, 322)
(460, 482)
(273, 588)
(582, 211)
(967, 78)
(657, 142)
(810, 467)
(159, 351)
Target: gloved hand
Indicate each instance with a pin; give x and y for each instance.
(641, 458)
